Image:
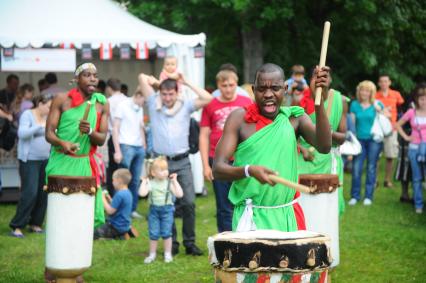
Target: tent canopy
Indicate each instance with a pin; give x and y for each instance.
(28, 23)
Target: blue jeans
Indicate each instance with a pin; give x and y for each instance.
(160, 221)
(370, 150)
(417, 174)
(133, 157)
(224, 208)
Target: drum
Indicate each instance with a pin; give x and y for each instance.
(321, 208)
(69, 226)
(269, 254)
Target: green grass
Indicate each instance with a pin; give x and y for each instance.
(382, 243)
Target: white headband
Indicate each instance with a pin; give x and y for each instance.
(84, 67)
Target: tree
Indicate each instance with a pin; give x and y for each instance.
(368, 37)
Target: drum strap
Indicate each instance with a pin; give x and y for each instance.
(246, 222)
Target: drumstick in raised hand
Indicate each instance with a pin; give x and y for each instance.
(323, 56)
(86, 112)
(295, 186)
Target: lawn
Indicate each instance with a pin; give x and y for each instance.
(382, 243)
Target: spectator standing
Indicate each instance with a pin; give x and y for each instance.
(23, 100)
(115, 98)
(211, 129)
(363, 110)
(53, 88)
(391, 99)
(129, 141)
(8, 94)
(42, 85)
(232, 68)
(417, 147)
(170, 118)
(33, 153)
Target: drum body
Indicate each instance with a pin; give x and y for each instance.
(269, 254)
(69, 225)
(321, 209)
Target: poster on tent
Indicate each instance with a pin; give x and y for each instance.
(39, 60)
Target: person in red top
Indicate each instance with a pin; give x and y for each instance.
(211, 128)
(391, 99)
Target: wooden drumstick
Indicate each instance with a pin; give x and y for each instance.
(323, 56)
(86, 111)
(295, 186)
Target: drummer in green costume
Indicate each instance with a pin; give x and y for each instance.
(313, 162)
(262, 139)
(74, 141)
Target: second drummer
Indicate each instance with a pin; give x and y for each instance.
(262, 139)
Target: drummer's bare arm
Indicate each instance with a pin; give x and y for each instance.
(98, 137)
(339, 136)
(52, 124)
(319, 135)
(226, 148)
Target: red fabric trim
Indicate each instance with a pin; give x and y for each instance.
(93, 148)
(253, 116)
(298, 213)
(307, 102)
(76, 97)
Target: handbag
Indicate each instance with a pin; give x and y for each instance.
(381, 128)
(351, 146)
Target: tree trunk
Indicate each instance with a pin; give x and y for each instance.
(252, 52)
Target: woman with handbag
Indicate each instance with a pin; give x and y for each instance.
(33, 153)
(417, 140)
(364, 110)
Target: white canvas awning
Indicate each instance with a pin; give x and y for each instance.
(29, 23)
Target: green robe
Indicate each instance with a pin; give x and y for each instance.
(323, 163)
(67, 165)
(275, 147)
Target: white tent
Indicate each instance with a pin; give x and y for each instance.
(29, 23)
(33, 24)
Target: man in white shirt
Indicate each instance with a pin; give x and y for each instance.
(129, 141)
(115, 97)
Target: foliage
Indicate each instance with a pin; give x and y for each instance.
(382, 243)
(368, 37)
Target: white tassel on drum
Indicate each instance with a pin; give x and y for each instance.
(246, 222)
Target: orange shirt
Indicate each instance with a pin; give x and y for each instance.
(391, 101)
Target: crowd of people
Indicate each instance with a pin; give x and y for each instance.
(150, 157)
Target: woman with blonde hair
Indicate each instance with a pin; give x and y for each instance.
(363, 111)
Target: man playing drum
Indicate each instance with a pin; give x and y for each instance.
(262, 138)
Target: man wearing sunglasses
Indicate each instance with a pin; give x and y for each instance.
(262, 138)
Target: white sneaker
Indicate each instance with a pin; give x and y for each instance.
(352, 201)
(136, 215)
(168, 258)
(368, 201)
(419, 210)
(149, 259)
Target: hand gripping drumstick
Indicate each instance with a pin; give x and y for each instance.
(297, 187)
(323, 56)
(86, 111)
